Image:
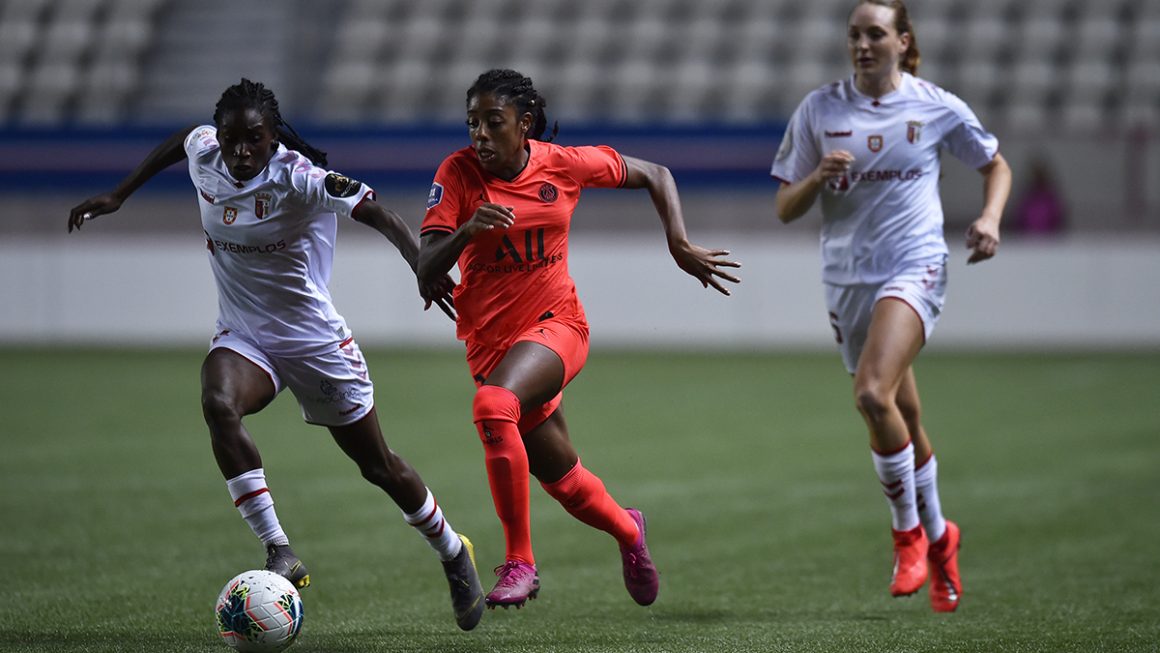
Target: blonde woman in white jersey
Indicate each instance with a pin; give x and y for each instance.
(269, 209)
(869, 147)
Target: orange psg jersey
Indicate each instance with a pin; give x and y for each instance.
(510, 279)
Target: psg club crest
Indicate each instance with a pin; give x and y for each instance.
(229, 215)
(262, 204)
(913, 131)
(548, 193)
(874, 142)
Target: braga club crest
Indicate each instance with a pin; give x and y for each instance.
(913, 131)
(262, 204)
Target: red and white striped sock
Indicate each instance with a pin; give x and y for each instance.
(252, 499)
(929, 507)
(896, 471)
(429, 521)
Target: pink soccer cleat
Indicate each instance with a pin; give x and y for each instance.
(518, 582)
(640, 574)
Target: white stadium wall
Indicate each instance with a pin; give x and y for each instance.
(124, 290)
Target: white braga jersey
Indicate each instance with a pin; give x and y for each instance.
(884, 214)
(271, 244)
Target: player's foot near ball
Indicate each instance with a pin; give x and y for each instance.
(518, 582)
(466, 592)
(640, 574)
(946, 586)
(909, 562)
(281, 560)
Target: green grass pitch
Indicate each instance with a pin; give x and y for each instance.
(765, 516)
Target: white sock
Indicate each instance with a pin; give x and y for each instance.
(926, 492)
(896, 471)
(429, 521)
(253, 500)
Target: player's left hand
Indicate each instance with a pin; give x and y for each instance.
(705, 264)
(439, 293)
(982, 239)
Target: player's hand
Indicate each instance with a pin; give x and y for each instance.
(982, 239)
(834, 165)
(704, 264)
(489, 216)
(439, 293)
(91, 208)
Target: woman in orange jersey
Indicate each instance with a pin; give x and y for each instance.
(502, 208)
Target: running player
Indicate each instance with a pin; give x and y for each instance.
(502, 208)
(268, 208)
(869, 146)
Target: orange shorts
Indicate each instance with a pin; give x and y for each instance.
(566, 337)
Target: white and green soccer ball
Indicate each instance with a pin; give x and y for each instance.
(258, 611)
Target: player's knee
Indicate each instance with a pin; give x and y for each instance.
(872, 400)
(493, 402)
(219, 408)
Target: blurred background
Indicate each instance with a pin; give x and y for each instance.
(1070, 87)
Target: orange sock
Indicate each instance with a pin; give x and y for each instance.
(496, 412)
(583, 495)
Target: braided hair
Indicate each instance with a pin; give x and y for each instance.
(255, 95)
(518, 89)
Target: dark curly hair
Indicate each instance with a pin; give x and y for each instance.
(518, 89)
(255, 95)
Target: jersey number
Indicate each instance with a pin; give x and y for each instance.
(508, 248)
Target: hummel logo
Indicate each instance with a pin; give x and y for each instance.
(848, 132)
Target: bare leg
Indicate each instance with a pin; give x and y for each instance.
(363, 443)
(895, 338)
(231, 388)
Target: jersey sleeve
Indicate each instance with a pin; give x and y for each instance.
(326, 190)
(201, 140)
(798, 154)
(596, 166)
(965, 138)
(444, 201)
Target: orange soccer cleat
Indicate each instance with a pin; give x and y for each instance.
(910, 548)
(946, 586)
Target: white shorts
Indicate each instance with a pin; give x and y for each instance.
(923, 287)
(333, 389)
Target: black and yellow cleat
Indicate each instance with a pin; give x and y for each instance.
(466, 591)
(281, 560)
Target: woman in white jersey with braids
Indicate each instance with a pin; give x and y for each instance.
(869, 147)
(269, 210)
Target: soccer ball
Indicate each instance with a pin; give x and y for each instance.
(258, 612)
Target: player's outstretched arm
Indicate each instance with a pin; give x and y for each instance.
(390, 224)
(703, 264)
(169, 152)
(983, 234)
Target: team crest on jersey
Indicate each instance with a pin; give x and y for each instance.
(435, 196)
(874, 142)
(548, 193)
(913, 130)
(229, 215)
(262, 204)
(340, 185)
